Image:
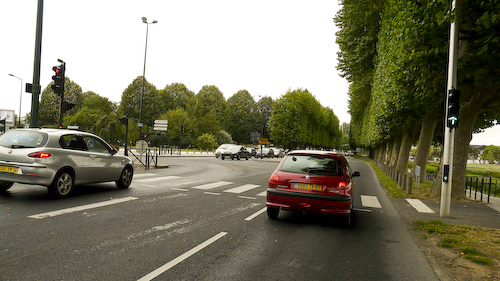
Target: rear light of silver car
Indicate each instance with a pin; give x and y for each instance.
(39, 155)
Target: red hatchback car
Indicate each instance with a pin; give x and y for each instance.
(312, 181)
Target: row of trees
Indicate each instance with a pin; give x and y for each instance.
(394, 53)
(295, 120)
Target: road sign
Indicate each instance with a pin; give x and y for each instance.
(263, 139)
(141, 146)
(160, 125)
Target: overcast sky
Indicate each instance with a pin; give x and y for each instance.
(264, 47)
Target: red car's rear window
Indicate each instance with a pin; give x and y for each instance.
(313, 165)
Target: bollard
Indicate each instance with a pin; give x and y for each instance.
(410, 184)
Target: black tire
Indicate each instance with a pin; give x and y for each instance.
(63, 185)
(222, 157)
(246, 158)
(272, 213)
(232, 158)
(346, 221)
(5, 185)
(238, 157)
(125, 178)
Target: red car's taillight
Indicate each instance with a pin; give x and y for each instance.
(342, 185)
(273, 180)
(39, 155)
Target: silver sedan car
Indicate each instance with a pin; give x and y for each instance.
(60, 160)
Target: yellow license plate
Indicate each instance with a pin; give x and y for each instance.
(6, 169)
(308, 186)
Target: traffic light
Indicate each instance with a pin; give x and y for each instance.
(67, 106)
(182, 129)
(58, 78)
(453, 108)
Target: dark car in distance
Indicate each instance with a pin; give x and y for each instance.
(312, 181)
(235, 152)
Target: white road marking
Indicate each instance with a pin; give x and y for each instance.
(211, 193)
(243, 188)
(247, 197)
(187, 182)
(420, 206)
(370, 201)
(157, 179)
(181, 258)
(212, 185)
(263, 193)
(143, 175)
(179, 189)
(256, 214)
(81, 208)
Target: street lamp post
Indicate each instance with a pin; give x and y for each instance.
(144, 20)
(20, 97)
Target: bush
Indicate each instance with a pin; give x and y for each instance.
(206, 141)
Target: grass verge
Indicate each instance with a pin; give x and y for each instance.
(477, 244)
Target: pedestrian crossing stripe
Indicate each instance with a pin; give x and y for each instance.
(212, 185)
(243, 188)
(370, 201)
(420, 206)
(157, 179)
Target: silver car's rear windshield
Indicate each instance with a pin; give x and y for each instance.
(312, 165)
(23, 139)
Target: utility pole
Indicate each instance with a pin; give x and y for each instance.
(449, 131)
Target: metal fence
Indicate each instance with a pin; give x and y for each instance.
(482, 186)
(146, 158)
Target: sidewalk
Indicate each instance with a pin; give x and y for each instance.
(463, 212)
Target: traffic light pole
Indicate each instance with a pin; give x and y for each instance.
(36, 67)
(449, 132)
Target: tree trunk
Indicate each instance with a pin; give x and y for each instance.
(404, 150)
(424, 143)
(396, 145)
(388, 152)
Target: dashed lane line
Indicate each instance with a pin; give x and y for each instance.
(181, 258)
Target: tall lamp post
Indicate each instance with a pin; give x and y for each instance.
(144, 20)
(20, 97)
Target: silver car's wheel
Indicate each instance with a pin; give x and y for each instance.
(62, 186)
(5, 185)
(125, 178)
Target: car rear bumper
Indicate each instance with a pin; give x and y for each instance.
(316, 203)
(29, 175)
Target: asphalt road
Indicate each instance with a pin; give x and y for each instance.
(200, 219)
